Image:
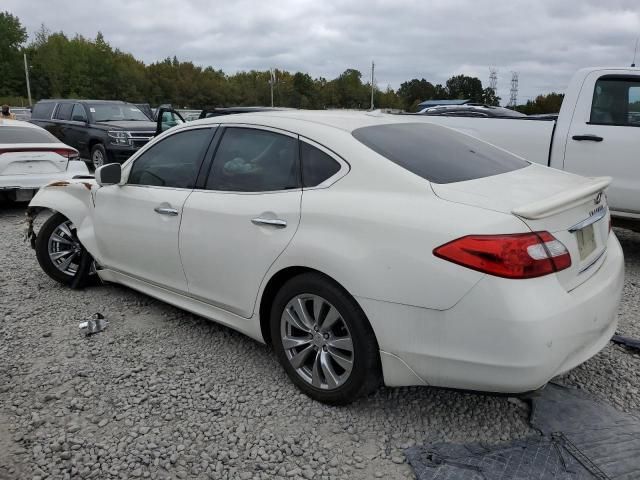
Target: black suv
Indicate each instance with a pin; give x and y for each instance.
(104, 131)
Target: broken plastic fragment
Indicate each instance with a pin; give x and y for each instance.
(94, 324)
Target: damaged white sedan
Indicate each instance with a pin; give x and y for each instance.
(30, 157)
(365, 248)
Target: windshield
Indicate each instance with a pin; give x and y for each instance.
(109, 112)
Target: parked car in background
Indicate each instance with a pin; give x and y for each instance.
(472, 110)
(103, 131)
(365, 248)
(31, 157)
(595, 134)
(21, 113)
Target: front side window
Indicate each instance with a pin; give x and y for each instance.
(317, 166)
(64, 111)
(173, 162)
(616, 101)
(78, 114)
(437, 154)
(251, 160)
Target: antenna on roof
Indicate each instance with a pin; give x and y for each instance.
(635, 50)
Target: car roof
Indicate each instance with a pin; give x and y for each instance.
(16, 123)
(59, 100)
(346, 120)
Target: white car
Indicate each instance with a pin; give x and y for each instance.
(31, 157)
(365, 248)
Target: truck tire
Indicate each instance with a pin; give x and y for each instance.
(98, 155)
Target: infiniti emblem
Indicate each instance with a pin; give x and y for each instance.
(598, 198)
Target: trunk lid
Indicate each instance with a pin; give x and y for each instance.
(27, 159)
(572, 208)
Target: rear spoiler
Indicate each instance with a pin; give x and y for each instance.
(562, 201)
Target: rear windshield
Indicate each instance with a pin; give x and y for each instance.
(436, 153)
(25, 135)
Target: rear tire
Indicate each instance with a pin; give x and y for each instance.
(329, 350)
(58, 235)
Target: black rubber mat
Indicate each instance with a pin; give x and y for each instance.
(580, 439)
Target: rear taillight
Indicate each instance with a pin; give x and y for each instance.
(69, 153)
(520, 255)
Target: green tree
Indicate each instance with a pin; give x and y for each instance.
(549, 103)
(464, 87)
(415, 91)
(12, 38)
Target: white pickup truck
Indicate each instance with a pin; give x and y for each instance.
(596, 133)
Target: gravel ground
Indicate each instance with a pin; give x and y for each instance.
(164, 394)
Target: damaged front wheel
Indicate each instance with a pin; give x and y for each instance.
(60, 253)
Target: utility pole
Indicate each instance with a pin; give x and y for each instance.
(373, 66)
(272, 80)
(26, 73)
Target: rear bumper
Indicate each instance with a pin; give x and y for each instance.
(36, 181)
(504, 335)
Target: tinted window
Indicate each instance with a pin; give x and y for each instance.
(174, 162)
(25, 135)
(616, 101)
(64, 111)
(249, 160)
(436, 153)
(114, 112)
(317, 166)
(43, 110)
(78, 114)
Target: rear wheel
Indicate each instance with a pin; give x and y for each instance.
(324, 341)
(58, 249)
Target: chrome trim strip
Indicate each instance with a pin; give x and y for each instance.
(592, 262)
(588, 221)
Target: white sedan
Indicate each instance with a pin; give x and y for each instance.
(30, 157)
(366, 248)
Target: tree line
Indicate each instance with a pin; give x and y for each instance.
(61, 66)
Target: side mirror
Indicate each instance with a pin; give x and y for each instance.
(109, 174)
(167, 117)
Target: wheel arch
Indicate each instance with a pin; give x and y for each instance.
(73, 200)
(276, 282)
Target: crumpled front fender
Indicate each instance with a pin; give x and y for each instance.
(74, 200)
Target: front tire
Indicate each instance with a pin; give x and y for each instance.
(98, 155)
(324, 341)
(58, 249)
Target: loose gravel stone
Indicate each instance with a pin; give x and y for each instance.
(164, 394)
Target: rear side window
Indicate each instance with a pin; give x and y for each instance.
(436, 153)
(616, 101)
(173, 162)
(25, 135)
(64, 111)
(317, 166)
(251, 160)
(43, 110)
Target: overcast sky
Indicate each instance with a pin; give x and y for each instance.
(544, 40)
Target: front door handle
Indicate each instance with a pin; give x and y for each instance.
(166, 211)
(274, 222)
(590, 138)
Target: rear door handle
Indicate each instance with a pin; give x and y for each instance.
(590, 138)
(166, 211)
(274, 222)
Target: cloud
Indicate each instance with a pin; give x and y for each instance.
(545, 41)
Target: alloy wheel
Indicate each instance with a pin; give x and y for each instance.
(97, 158)
(317, 341)
(64, 248)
